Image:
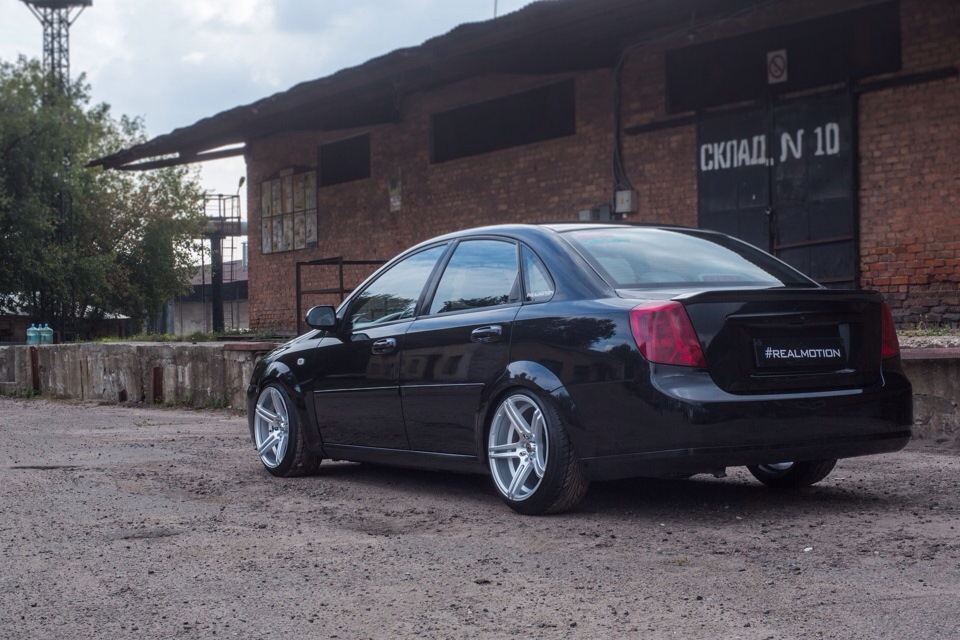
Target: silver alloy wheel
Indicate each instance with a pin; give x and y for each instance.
(776, 468)
(271, 427)
(517, 447)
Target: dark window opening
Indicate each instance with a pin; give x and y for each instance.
(821, 51)
(514, 120)
(343, 161)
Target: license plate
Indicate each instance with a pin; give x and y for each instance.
(825, 352)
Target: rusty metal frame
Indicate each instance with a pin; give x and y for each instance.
(340, 290)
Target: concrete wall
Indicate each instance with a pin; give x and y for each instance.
(935, 374)
(14, 367)
(216, 374)
(211, 374)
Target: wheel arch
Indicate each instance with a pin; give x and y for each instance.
(543, 383)
(278, 372)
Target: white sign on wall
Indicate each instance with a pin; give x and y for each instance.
(777, 66)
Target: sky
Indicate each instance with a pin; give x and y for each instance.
(173, 62)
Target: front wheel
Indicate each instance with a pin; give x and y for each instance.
(534, 467)
(278, 436)
(792, 475)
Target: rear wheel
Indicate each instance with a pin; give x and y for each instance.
(534, 467)
(278, 436)
(792, 475)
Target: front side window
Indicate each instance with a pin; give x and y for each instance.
(481, 273)
(394, 295)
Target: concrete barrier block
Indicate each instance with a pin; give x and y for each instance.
(202, 375)
(15, 370)
(111, 372)
(239, 367)
(61, 370)
(159, 373)
(7, 370)
(936, 395)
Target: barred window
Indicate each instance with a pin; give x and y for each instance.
(288, 212)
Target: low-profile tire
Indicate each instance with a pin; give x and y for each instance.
(792, 475)
(534, 467)
(278, 437)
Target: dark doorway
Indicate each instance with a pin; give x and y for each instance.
(782, 179)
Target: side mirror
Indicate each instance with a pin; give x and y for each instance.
(322, 318)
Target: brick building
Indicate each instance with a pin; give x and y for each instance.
(824, 131)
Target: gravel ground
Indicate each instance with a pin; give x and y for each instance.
(928, 342)
(123, 522)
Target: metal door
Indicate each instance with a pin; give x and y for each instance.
(733, 177)
(783, 180)
(814, 226)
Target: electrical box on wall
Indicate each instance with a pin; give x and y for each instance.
(626, 202)
(600, 213)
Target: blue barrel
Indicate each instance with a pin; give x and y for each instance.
(46, 335)
(33, 335)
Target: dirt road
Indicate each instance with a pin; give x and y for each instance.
(121, 522)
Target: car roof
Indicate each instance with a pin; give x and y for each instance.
(524, 230)
(563, 227)
(541, 235)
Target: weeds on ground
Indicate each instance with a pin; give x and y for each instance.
(188, 402)
(23, 393)
(926, 329)
(216, 402)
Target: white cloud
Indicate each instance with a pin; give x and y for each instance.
(177, 61)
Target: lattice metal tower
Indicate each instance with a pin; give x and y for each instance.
(57, 16)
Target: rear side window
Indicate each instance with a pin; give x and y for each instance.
(537, 282)
(481, 273)
(651, 258)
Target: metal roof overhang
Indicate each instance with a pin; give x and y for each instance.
(549, 36)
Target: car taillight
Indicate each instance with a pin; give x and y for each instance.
(889, 346)
(664, 334)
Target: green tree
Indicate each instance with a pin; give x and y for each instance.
(77, 243)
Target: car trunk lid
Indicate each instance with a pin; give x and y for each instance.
(787, 339)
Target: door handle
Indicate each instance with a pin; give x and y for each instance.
(493, 333)
(381, 347)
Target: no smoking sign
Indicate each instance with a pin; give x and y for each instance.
(776, 66)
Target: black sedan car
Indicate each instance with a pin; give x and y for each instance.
(551, 355)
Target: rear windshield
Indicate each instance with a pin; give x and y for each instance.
(637, 258)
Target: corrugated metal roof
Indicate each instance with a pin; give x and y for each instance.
(549, 36)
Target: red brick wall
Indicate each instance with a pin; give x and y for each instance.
(546, 181)
(909, 149)
(909, 176)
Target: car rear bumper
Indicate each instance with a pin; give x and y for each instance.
(678, 423)
(686, 462)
